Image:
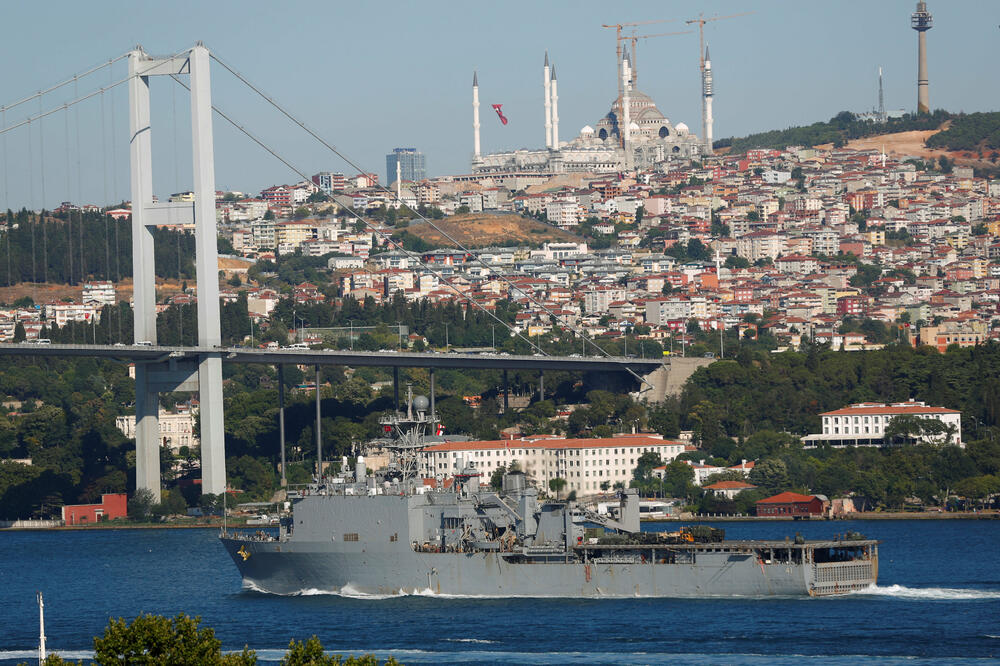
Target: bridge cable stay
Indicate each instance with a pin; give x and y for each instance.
(6, 200)
(79, 186)
(170, 211)
(68, 81)
(104, 173)
(37, 118)
(114, 189)
(69, 216)
(425, 219)
(31, 189)
(386, 238)
(41, 160)
(81, 98)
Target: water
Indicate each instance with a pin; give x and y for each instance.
(938, 599)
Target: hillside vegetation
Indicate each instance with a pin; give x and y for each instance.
(973, 131)
(838, 130)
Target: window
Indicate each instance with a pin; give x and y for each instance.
(351, 536)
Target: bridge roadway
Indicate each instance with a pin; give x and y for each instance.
(382, 358)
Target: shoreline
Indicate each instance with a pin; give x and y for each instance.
(880, 515)
(874, 515)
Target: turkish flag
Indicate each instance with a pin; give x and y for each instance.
(503, 119)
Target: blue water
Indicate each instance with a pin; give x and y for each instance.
(938, 599)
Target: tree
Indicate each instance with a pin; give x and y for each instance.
(154, 639)
(311, 653)
(141, 504)
(770, 474)
(556, 485)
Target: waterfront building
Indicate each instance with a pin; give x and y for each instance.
(112, 506)
(866, 424)
(587, 465)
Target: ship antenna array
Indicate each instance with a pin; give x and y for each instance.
(386, 237)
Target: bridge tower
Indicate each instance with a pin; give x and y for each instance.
(205, 375)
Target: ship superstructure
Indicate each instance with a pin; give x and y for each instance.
(392, 532)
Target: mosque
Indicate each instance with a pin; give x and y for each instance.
(634, 134)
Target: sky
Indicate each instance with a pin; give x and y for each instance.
(371, 76)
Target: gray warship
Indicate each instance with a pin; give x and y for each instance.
(389, 532)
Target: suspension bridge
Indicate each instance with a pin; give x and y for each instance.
(164, 369)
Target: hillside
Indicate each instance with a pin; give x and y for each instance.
(486, 229)
(976, 132)
(838, 131)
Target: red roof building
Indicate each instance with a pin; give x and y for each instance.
(792, 505)
(729, 489)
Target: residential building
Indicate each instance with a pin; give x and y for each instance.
(866, 423)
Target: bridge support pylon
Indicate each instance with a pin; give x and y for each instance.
(151, 378)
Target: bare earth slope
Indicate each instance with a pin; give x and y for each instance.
(486, 229)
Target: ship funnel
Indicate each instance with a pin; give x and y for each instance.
(629, 514)
(359, 470)
(343, 464)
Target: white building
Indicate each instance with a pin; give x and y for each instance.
(176, 428)
(585, 464)
(865, 424)
(63, 313)
(100, 292)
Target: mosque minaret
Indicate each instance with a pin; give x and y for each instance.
(634, 134)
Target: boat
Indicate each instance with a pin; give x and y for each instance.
(392, 532)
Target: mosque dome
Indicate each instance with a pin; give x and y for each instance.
(682, 128)
(587, 130)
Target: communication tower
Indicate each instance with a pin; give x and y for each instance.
(921, 21)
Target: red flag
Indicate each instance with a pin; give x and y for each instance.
(503, 119)
(440, 430)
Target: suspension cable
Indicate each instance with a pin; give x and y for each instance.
(81, 98)
(75, 77)
(434, 226)
(386, 238)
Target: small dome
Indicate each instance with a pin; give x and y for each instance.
(421, 403)
(633, 125)
(681, 128)
(587, 129)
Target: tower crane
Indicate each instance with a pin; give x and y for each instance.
(618, 51)
(706, 101)
(635, 47)
(701, 21)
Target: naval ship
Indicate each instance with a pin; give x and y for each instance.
(359, 532)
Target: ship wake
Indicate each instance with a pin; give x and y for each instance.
(930, 593)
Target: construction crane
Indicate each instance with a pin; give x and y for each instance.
(618, 55)
(701, 21)
(705, 99)
(635, 48)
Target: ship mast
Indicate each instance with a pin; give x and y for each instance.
(41, 629)
(407, 430)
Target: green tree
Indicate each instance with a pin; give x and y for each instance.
(140, 505)
(771, 475)
(153, 639)
(311, 653)
(556, 485)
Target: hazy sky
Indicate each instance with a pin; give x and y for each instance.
(370, 76)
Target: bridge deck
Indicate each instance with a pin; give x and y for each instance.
(135, 353)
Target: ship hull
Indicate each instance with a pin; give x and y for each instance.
(289, 567)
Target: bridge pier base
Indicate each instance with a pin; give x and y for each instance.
(147, 434)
